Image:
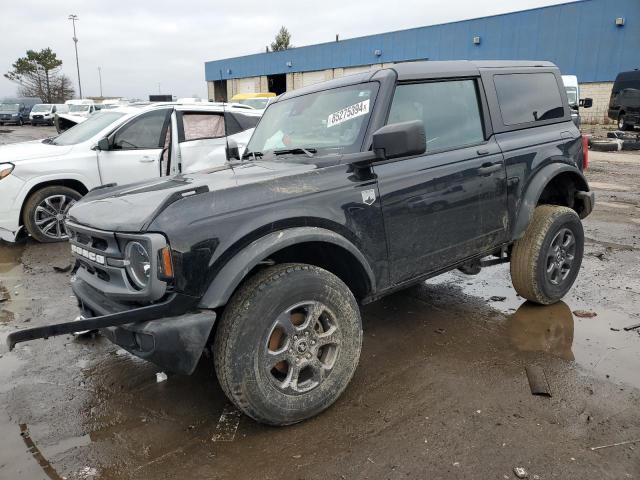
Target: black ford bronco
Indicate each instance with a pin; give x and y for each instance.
(348, 190)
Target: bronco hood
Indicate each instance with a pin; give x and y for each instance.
(131, 208)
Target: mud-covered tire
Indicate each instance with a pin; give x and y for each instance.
(539, 259)
(243, 349)
(31, 218)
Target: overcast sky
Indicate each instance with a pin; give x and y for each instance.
(167, 42)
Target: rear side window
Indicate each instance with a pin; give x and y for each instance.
(528, 97)
(449, 110)
(202, 125)
(238, 122)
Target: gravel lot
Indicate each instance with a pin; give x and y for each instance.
(441, 390)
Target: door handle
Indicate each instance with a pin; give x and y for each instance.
(488, 168)
(147, 159)
(482, 151)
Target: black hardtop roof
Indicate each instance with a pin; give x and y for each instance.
(630, 75)
(421, 69)
(460, 68)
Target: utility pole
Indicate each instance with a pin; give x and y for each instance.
(159, 93)
(100, 77)
(73, 19)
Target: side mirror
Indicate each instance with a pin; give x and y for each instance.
(586, 102)
(400, 140)
(232, 150)
(103, 144)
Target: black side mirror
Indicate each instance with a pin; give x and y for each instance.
(233, 152)
(586, 102)
(400, 140)
(103, 144)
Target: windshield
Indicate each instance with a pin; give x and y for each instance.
(79, 108)
(331, 120)
(87, 129)
(259, 103)
(43, 107)
(572, 96)
(9, 107)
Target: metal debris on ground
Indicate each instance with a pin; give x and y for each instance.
(497, 298)
(628, 442)
(520, 472)
(227, 425)
(585, 313)
(161, 377)
(632, 327)
(538, 381)
(64, 269)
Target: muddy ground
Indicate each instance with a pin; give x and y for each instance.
(440, 392)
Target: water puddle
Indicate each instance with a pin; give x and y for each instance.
(598, 344)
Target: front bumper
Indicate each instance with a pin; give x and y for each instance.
(171, 333)
(36, 121)
(172, 340)
(11, 119)
(10, 203)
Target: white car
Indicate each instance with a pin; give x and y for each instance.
(45, 112)
(40, 180)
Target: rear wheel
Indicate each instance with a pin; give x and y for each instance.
(288, 343)
(546, 260)
(45, 211)
(622, 123)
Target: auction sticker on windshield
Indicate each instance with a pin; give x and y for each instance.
(347, 113)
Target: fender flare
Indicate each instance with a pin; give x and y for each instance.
(535, 188)
(236, 269)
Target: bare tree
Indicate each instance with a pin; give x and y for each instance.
(282, 41)
(38, 74)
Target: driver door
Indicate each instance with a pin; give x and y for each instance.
(135, 149)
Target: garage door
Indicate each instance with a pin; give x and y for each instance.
(309, 78)
(247, 85)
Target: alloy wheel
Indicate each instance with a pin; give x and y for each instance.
(301, 347)
(50, 214)
(560, 256)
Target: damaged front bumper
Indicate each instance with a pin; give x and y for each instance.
(158, 332)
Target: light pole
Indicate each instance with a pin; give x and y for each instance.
(100, 77)
(73, 19)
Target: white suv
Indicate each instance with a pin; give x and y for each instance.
(40, 180)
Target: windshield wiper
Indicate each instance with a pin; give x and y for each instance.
(296, 151)
(254, 155)
(49, 141)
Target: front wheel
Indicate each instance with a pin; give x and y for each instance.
(45, 211)
(288, 343)
(546, 260)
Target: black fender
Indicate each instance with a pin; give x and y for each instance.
(236, 269)
(537, 185)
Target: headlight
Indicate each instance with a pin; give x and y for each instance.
(5, 169)
(139, 263)
(14, 114)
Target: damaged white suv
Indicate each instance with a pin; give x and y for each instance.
(40, 180)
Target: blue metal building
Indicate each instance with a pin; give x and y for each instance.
(593, 39)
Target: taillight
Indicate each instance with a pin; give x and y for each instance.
(585, 152)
